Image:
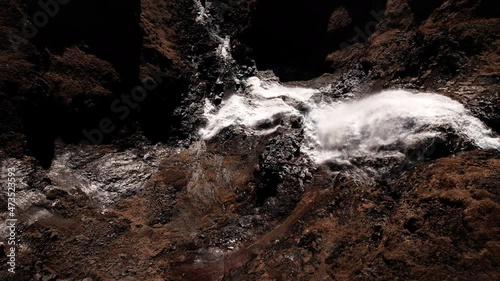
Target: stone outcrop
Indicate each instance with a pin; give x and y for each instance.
(150, 201)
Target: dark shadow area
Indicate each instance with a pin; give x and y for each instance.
(363, 19)
(156, 117)
(40, 126)
(489, 9)
(292, 37)
(108, 29)
(422, 9)
(268, 181)
(289, 36)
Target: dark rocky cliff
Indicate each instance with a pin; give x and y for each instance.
(62, 76)
(239, 207)
(65, 77)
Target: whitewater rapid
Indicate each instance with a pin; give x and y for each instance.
(343, 130)
(380, 125)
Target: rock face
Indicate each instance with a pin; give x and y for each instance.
(425, 225)
(65, 77)
(145, 199)
(450, 46)
(294, 38)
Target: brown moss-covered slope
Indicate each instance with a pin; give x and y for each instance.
(198, 218)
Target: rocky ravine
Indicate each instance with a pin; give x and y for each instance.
(153, 202)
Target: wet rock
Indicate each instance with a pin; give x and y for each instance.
(103, 176)
(51, 277)
(281, 174)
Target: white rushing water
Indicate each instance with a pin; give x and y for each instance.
(380, 125)
(262, 103)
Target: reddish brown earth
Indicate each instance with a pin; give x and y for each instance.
(208, 212)
(437, 221)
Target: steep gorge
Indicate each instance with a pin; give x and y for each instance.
(279, 144)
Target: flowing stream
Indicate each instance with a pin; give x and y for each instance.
(380, 125)
(385, 125)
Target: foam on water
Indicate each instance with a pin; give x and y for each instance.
(263, 102)
(202, 15)
(386, 123)
(380, 125)
(271, 89)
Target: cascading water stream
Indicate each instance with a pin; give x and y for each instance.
(383, 125)
(343, 131)
(226, 69)
(203, 17)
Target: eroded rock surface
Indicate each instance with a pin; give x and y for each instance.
(156, 202)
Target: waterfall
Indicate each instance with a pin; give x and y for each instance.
(204, 18)
(379, 126)
(345, 130)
